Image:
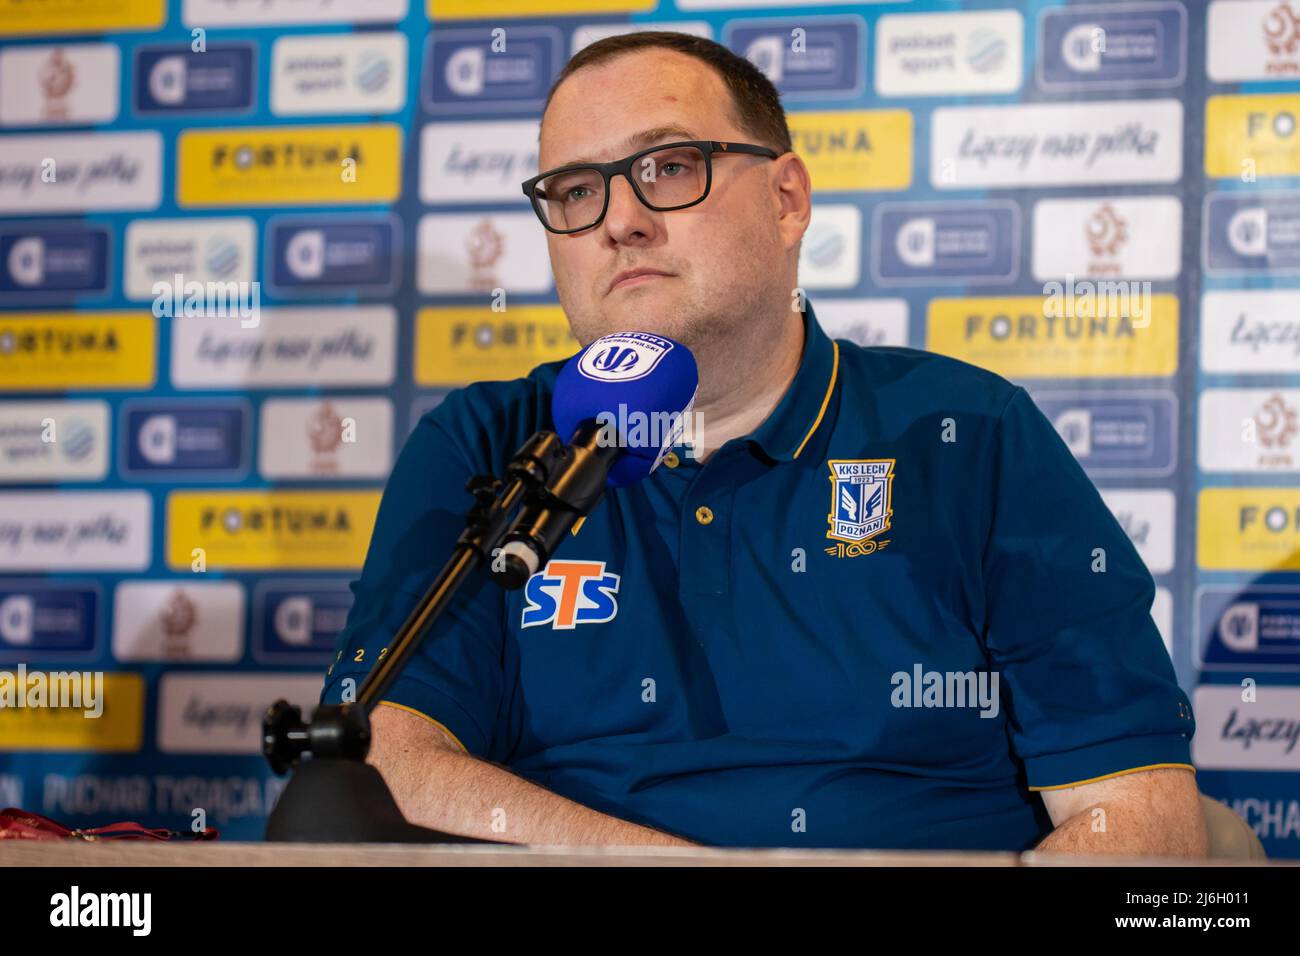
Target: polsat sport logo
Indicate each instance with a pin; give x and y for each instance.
(565, 594)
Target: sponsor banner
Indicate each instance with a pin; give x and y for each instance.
(332, 255)
(222, 713)
(1056, 144)
(58, 350)
(929, 243)
(1248, 628)
(477, 162)
(1147, 517)
(1252, 233)
(1251, 331)
(589, 33)
(473, 9)
(53, 440)
(1097, 335)
(200, 250)
(460, 345)
(1249, 430)
(75, 530)
(831, 254)
(337, 73)
(1252, 40)
(1249, 136)
(1116, 434)
(118, 729)
(341, 436)
(73, 84)
(289, 165)
(178, 621)
(868, 322)
(54, 261)
(289, 347)
(24, 18)
(1248, 529)
(759, 4)
(1129, 45)
(930, 54)
(828, 63)
(166, 439)
(80, 172)
(467, 71)
(48, 619)
(298, 621)
(257, 530)
(466, 253)
(1162, 612)
(858, 150)
(175, 79)
(265, 13)
(1234, 734)
(1132, 237)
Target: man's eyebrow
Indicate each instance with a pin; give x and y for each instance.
(644, 138)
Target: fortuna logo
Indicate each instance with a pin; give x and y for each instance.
(861, 505)
(565, 594)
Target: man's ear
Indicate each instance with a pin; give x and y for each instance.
(792, 187)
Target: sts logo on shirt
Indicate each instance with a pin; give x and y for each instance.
(565, 594)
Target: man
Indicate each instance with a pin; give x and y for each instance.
(882, 606)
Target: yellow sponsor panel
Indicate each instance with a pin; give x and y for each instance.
(1248, 529)
(855, 150)
(475, 9)
(457, 346)
(73, 350)
(21, 17)
(1252, 134)
(1059, 337)
(253, 530)
(117, 698)
(289, 165)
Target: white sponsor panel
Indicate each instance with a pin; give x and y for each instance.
(831, 254)
(75, 530)
(1056, 144)
(68, 84)
(1251, 332)
(477, 162)
(63, 172)
(200, 250)
(588, 33)
(289, 347)
(1162, 612)
(53, 441)
(462, 253)
(178, 621)
(929, 54)
(1252, 40)
(1139, 238)
(1232, 734)
(262, 13)
(1249, 430)
(222, 713)
(338, 73)
(1147, 517)
(864, 321)
(335, 436)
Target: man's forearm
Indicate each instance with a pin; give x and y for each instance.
(1130, 830)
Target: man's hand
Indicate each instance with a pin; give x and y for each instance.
(1144, 813)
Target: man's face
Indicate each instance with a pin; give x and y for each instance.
(725, 257)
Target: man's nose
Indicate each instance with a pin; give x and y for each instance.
(627, 217)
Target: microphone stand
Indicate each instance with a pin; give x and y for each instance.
(333, 795)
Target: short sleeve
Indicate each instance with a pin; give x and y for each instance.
(455, 677)
(1088, 686)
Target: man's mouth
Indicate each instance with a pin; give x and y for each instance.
(633, 277)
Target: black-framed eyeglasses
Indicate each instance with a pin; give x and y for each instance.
(672, 176)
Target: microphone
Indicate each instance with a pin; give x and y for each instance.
(624, 399)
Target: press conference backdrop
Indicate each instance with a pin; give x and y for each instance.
(186, 495)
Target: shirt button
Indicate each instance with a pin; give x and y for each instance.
(703, 515)
(671, 459)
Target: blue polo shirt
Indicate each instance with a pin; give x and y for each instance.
(882, 619)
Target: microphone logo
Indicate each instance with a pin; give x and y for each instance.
(623, 356)
(616, 359)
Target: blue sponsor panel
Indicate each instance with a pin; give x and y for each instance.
(463, 73)
(297, 621)
(828, 61)
(1116, 434)
(53, 262)
(169, 440)
(1246, 628)
(1132, 45)
(175, 79)
(1252, 232)
(329, 256)
(48, 619)
(973, 242)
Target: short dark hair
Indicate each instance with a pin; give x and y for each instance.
(756, 103)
